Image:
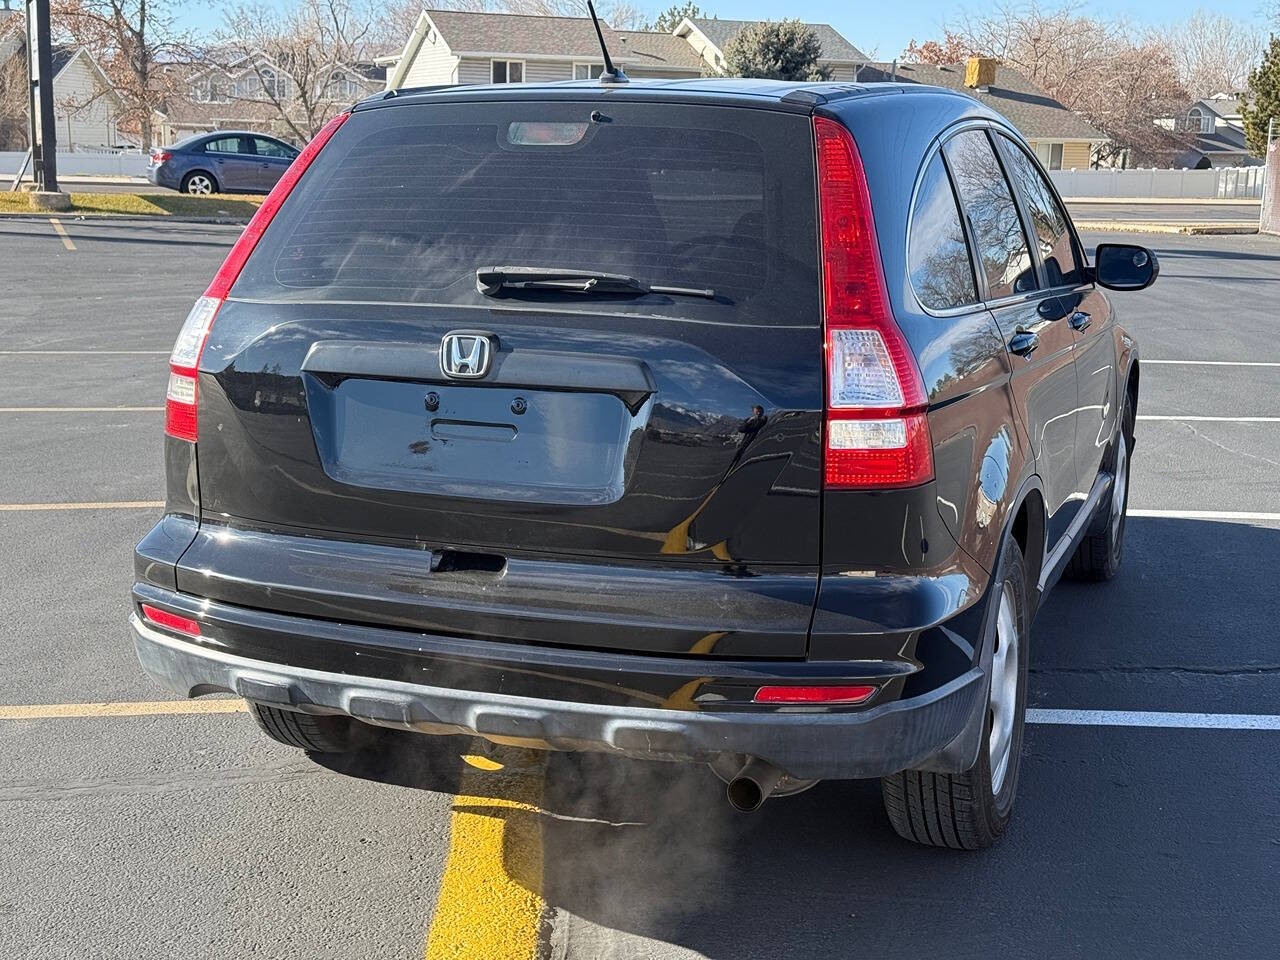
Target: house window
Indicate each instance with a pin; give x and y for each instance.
(587, 71)
(1199, 121)
(1049, 155)
(342, 88)
(274, 86)
(507, 71)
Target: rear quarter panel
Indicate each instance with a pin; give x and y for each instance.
(981, 450)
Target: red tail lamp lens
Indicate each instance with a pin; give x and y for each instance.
(171, 621)
(877, 433)
(825, 694)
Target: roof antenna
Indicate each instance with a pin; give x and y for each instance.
(611, 73)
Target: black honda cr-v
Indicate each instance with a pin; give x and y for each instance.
(731, 421)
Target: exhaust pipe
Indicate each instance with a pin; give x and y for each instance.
(752, 785)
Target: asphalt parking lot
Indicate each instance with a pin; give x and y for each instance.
(136, 826)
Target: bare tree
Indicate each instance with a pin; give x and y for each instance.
(1097, 68)
(294, 56)
(952, 48)
(1211, 52)
(132, 40)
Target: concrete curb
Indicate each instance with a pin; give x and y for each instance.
(92, 215)
(1170, 201)
(1147, 226)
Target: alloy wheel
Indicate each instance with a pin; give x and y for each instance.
(1003, 703)
(1119, 488)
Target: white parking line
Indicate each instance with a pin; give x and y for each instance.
(79, 409)
(100, 505)
(1142, 718)
(1217, 363)
(1185, 419)
(1207, 515)
(69, 353)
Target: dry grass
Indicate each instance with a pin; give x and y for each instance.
(230, 205)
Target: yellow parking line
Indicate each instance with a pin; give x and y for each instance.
(101, 505)
(490, 903)
(145, 708)
(61, 231)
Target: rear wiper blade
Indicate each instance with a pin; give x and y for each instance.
(491, 280)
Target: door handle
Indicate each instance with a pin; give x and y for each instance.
(1080, 320)
(1023, 342)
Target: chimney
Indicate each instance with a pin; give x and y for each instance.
(979, 72)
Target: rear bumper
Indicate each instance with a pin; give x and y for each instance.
(875, 741)
(162, 177)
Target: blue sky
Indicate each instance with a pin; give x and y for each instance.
(886, 26)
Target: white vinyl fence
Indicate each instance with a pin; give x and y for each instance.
(133, 164)
(1222, 183)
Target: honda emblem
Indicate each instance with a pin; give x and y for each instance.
(466, 354)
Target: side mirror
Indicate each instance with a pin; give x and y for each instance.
(1125, 266)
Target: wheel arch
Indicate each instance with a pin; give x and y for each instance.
(213, 178)
(1027, 526)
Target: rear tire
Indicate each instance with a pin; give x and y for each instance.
(1100, 553)
(306, 731)
(971, 810)
(198, 182)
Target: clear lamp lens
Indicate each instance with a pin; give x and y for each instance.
(862, 373)
(867, 434)
(186, 350)
(182, 389)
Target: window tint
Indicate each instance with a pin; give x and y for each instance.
(984, 194)
(223, 145)
(270, 148)
(407, 202)
(937, 254)
(1048, 220)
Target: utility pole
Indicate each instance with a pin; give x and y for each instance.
(44, 149)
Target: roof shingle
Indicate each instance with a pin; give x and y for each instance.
(834, 46)
(520, 34)
(1021, 102)
(644, 49)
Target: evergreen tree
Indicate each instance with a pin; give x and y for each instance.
(1263, 104)
(670, 18)
(775, 50)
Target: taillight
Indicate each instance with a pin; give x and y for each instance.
(181, 401)
(876, 431)
(159, 156)
(180, 398)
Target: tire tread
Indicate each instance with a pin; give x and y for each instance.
(306, 731)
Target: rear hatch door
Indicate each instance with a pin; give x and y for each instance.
(342, 396)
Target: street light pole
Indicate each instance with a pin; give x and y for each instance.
(46, 167)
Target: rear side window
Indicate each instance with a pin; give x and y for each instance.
(937, 253)
(407, 201)
(1048, 219)
(223, 145)
(985, 196)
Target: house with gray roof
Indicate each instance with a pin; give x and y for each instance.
(1061, 138)
(86, 107)
(1215, 130)
(711, 38)
(452, 46)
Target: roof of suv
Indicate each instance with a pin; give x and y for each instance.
(799, 94)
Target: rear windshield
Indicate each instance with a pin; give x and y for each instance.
(407, 201)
